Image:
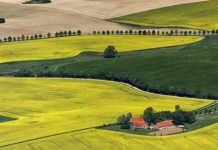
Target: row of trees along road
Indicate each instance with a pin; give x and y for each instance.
(155, 32)
(108, 32)
(41, 36)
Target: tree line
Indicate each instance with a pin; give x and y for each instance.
(107, 32)
(37, 1)
(41, 36)
(119, 77)
(155, 32)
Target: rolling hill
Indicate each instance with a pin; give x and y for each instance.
(51, 106)
(72, 46)
(202, 15)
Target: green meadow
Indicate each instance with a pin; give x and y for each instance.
(201, 15)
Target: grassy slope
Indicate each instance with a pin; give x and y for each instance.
(71, 46)
(188, 69)
(49, 106)
(202, 139)
(202, 15)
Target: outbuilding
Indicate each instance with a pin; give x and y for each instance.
(165, 124)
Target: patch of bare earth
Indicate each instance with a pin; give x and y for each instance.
(86, 15)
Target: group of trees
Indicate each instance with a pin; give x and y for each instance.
(2, 20)
(37, 1)
(124, 121)
(67, 33)
(40, 36)
(179, 116)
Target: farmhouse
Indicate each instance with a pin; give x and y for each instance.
(138, 123)
(165, 124)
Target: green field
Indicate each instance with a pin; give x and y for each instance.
(72, 46)
(202, 15)
(49, 106)
(189, 69)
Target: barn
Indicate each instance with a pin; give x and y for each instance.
(138, 123)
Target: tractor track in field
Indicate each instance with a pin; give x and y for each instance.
(44, 137)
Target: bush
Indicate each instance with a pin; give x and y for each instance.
(110, 52)
(2, 20)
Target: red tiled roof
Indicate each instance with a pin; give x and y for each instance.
(164, 124)
(138, 121)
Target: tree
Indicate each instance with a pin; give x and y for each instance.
(65, 33)
(69, 33)
(79, 32)
(126, 32)
(110, 52)
(124, 121)
(23, 37)
(5, 39)
(177, 107)
(9, 39)
(48, 35)
(56, 34)
(61, 34)
(153, 32)
(94, 32)
(2, 20)
(18, 38)
(40, 36)
(149, 115)
(14, 39)
(129, 116)
(36, 36)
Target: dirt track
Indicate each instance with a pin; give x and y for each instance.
(87, 15)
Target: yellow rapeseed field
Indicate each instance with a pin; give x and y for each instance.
(71, 46)
(202, 139)
(49, 106)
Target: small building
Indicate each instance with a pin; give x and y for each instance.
(165, 124)
(138, 123)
